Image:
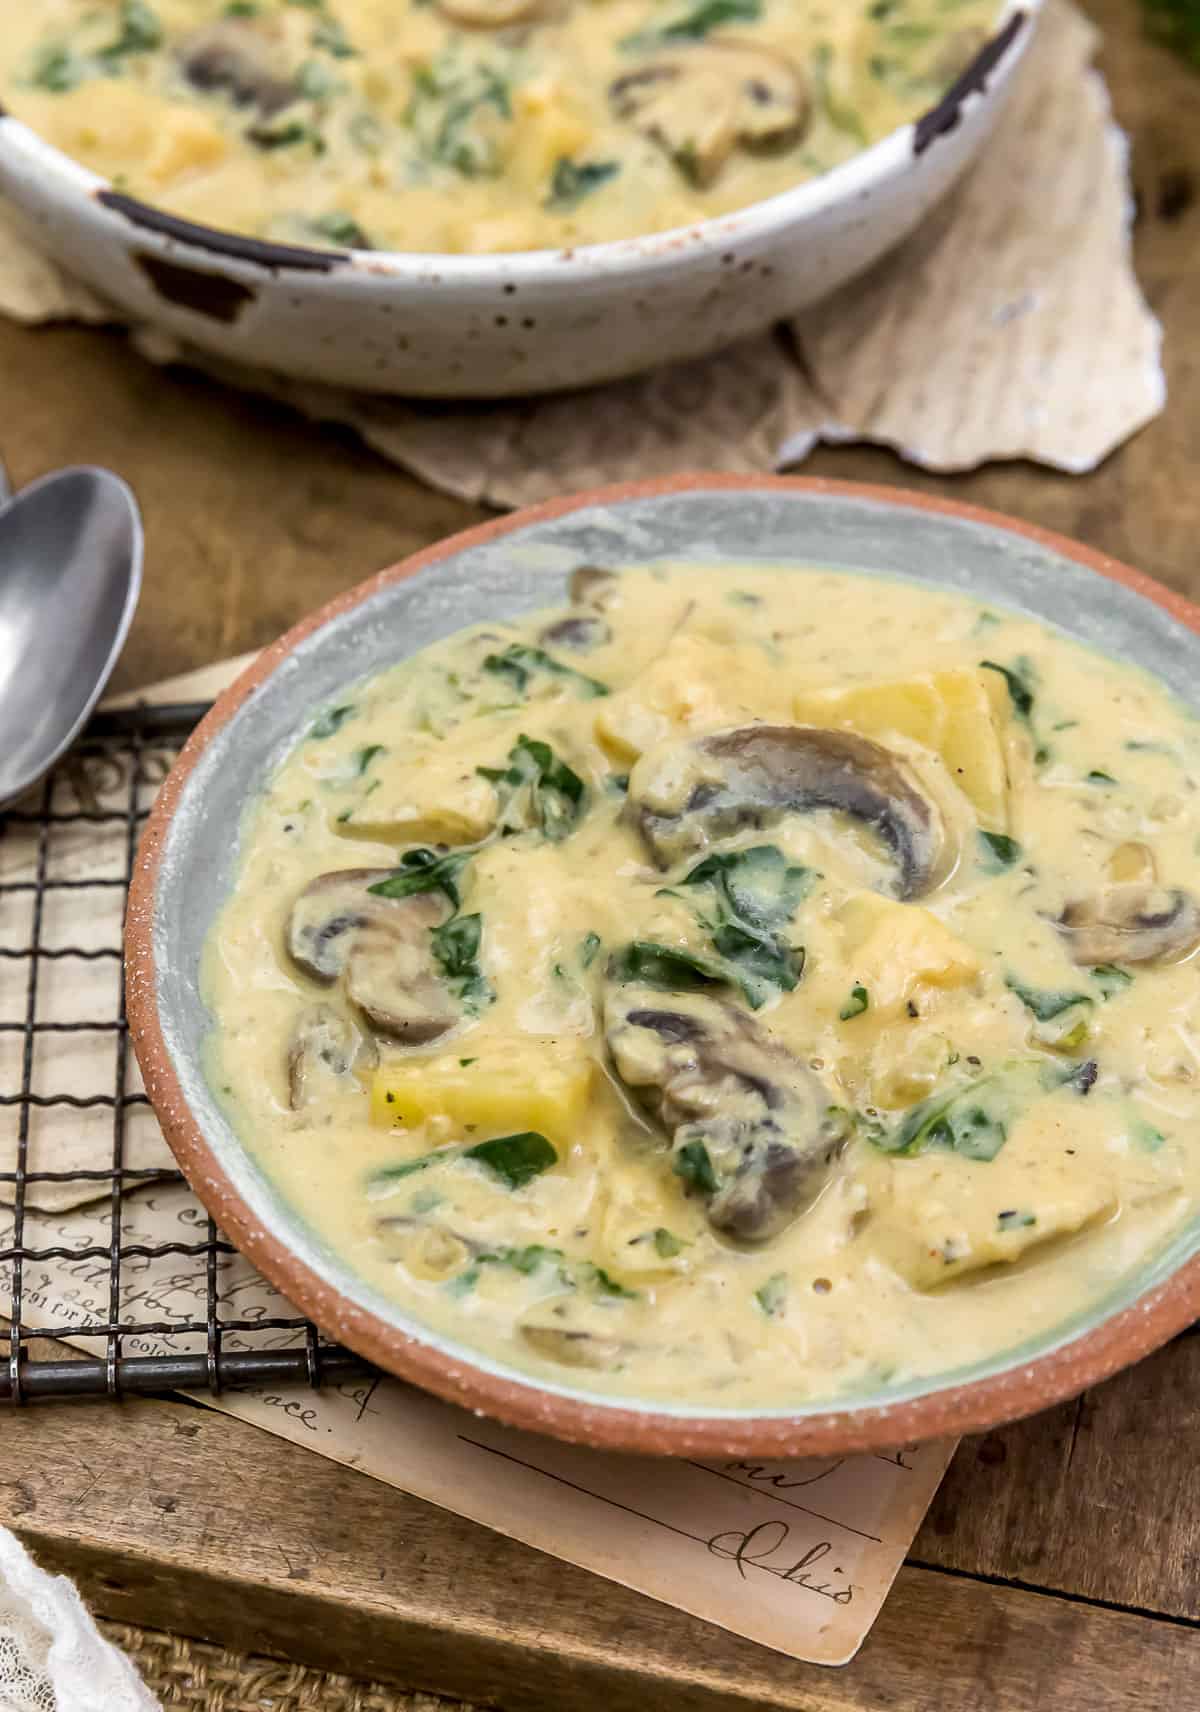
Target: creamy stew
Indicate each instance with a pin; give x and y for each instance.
(473, 125)
(744, 985)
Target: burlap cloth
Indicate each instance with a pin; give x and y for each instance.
(205, 1678)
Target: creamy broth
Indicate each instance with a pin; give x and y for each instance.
(473, 125)
(786, 984)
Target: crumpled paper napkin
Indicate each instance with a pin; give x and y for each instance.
(1010, 326)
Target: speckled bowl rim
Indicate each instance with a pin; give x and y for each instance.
(988, 72)
(1029, 1385)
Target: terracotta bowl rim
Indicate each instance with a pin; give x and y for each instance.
(974, 1405)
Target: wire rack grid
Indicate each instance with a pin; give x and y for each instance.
(101, 794)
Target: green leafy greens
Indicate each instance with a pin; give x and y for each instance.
(694, 25)
(455, 944)
(1111, 979)
(363, 757)
(754, 894)
(340, 229)
(456, 950)
(515, 1159)
(1048, 1006)
(425, 871)
(1019, 690)
(572, 181)
(453, 112)
(519, 663)
(1000, 851)
(665, 966)
(1046, 1003)
(540, 790)
(330, 36)
(693, 1165)
(575, 1274)
(141, 32)
(330, 722)
(974, 1120)
(57, 69)
(772, 1296)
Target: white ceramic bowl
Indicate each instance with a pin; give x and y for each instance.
(493, 326)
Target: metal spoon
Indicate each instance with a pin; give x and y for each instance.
(70, 576)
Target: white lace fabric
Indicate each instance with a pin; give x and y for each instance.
(52, 1656)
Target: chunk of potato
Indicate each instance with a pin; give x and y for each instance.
(437, 797)
(961, 715)
(501, 1086)
(695, 684)
(190, 142)
(547, 131)
(892, 949)
(961, 1221)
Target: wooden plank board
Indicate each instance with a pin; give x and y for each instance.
(202, 1524)
(1100, 1497)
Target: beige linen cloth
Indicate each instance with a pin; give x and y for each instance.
(1010, 326)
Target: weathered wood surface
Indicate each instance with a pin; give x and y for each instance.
(1099, 1498)
(200, 1523)
(252, 518)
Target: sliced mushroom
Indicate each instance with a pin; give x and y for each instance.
(578, 631)
(686, 795)
(428, 1250)
(698, 103)
(381, 947)
(574, 1348)
(737, 1105)
(1132, 923)
(323, 1051)
(591, 586)
(232, 55)
(489, 14)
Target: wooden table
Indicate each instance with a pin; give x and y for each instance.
(1060, 1564)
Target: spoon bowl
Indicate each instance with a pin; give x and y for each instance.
(70, 576)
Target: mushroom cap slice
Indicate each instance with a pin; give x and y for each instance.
(1132, 923)
(590, 588)
(232, 55)
(688, 795)
(381, 947)
(698, 103)
(323, 1050)
(589, 585)
(579, 631)
(713, 1077)
(575, 1348)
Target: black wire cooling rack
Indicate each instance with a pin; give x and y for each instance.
(129, 750)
